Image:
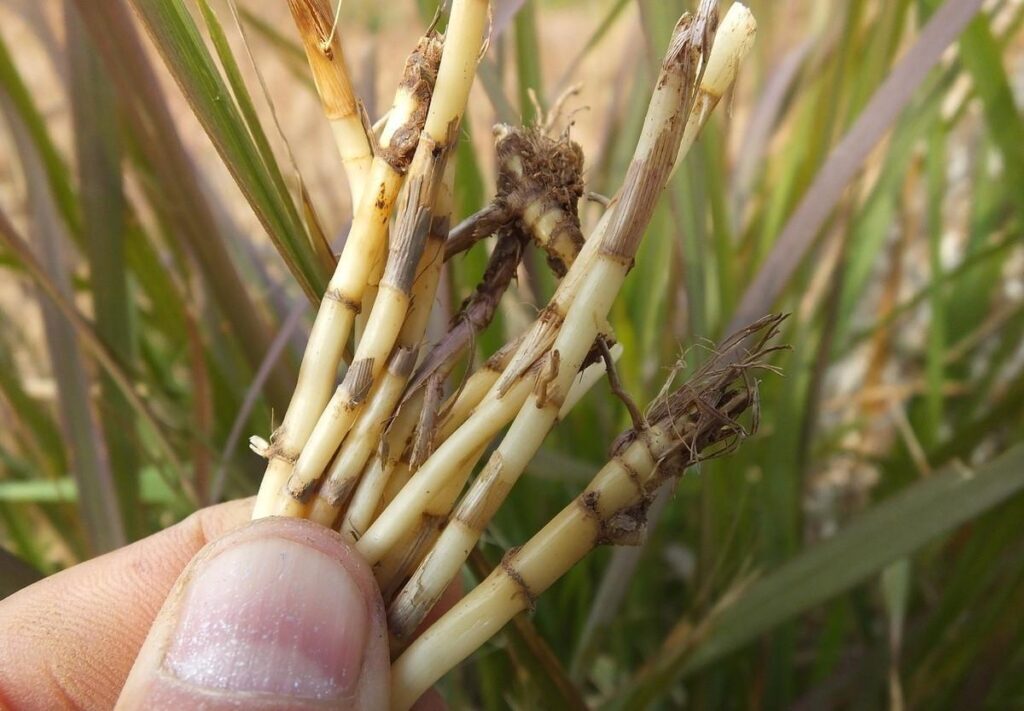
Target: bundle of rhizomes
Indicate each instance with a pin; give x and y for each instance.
(387, 455)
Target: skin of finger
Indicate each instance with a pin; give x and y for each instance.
(69, 641)
(146, 688)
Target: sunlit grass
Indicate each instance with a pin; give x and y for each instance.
(889, 444)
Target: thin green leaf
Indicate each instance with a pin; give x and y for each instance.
(846, 159)
(56, 169)
(153, 490)
(98, 152)
(981, 55)
(894, 529)
(177, 192)
(176, 36)
(93, 343)
(99, 508)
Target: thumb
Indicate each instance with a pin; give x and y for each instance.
(280, 614)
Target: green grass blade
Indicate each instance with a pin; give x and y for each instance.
(94, 344)
(99, 508)
(528, 61)
(57, 174)
(936, 347)
(153, 490)
(981, 55)
(34, 428)
(892, 530)
(846, 159)
(98, 150)
(178, 194)
(177, 37)
(247, 109)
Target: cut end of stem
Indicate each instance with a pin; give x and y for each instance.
(733, 41)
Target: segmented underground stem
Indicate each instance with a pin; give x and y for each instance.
(499, 405)
(404, 512)
(454, 80)
(402, 559)
(314, 20)
(539, 186)
(394, 568)
(363, 248)
(697, 421)
(372, 483)
(436, 513)
(389, 311)
(496, 409)
(348, 464)
(645, 179)
(462, 403)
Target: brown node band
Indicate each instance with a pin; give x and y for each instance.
(508, 567)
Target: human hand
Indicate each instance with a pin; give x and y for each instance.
(279, 614)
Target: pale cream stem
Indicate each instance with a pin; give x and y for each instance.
(733, 41)
(394, 568)
(587, 314)
(314, 20)
(350, 461)
(404, 511)
(440, 130)
(462, 403)
(347, 465)
(389, 312)
(341, 302)
(487, 608)
(695, 422)
(402, 617)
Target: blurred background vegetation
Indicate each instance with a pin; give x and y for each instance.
(158, 224)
